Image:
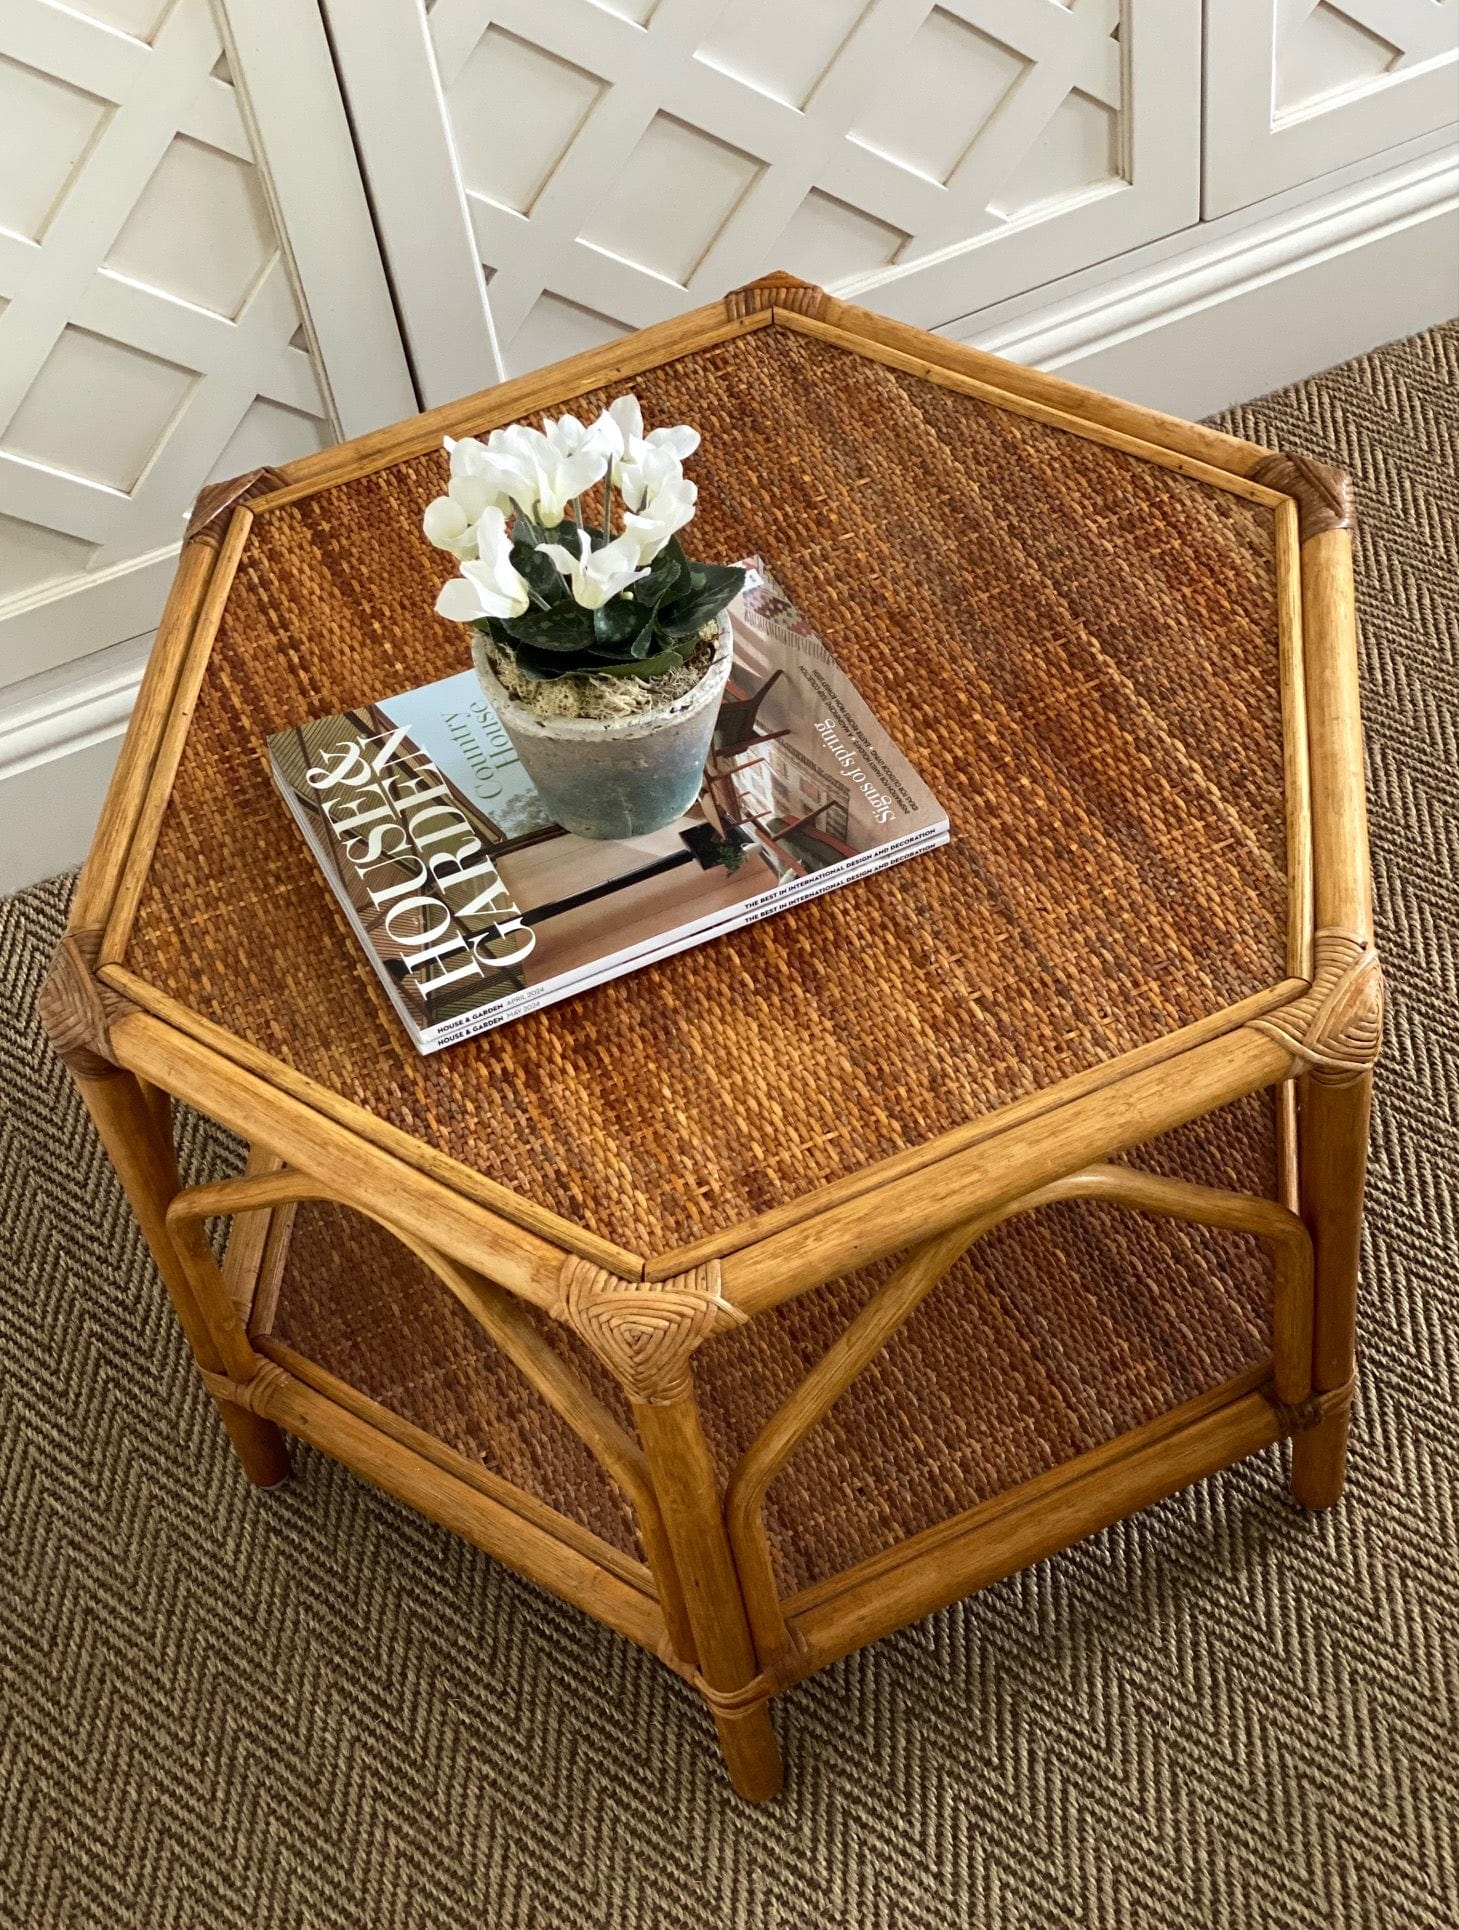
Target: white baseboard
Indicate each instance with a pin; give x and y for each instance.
(41, 630)
(1190, 324)
(48, 812)
(1241, 309)
(60, 733)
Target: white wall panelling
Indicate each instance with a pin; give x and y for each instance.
(622, 162)
(280, 59)
(389, 74)
(1295, 88)
(152, 334)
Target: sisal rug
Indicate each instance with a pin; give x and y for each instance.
(313, 1711)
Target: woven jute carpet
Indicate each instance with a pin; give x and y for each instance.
(312, 1709)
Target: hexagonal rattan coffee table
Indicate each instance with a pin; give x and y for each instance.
(771, 1298)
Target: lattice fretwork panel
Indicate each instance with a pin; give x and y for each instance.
(150, 338)
(1325, 49)
(1297, 88)
(623, 158)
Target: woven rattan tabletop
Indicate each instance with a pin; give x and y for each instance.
(1076, 647)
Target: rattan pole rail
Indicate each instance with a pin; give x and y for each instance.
(622, 1302)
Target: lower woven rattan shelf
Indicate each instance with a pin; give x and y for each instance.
(1058, 1333)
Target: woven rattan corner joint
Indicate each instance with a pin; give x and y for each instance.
(625, 1310)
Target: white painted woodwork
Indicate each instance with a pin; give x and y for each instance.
(419, 205)
(1296, 88)
(1256, 300)
(621, 162)
(160, 326)
(283, 67)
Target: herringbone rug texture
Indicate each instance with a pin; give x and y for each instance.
(313, 1711)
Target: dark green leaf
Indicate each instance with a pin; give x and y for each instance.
(616, 622)
(719, 584)
(644, 642)
(545, 666)
(668, 577)
(524, 530)
(539, 571)
(564, 627)
(659, 665)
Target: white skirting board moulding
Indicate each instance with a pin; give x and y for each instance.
(1189, 324)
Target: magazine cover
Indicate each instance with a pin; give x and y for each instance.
(475, 908)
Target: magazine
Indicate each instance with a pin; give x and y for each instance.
(475, 908)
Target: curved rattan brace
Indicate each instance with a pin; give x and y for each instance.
(1324, 495)
(506, 1323)
(775, 290)
(644, 1331)
(1335, 1029)
(491, 1306)
(925, 1265)
(215, 504)
(76, 1010)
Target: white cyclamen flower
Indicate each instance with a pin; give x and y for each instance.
(488, 586)
(567, 435)
(549, 478)
(646, 470)
(663, 515)
(618, 431)
(449, 527)
(478, 483)
(597, 575)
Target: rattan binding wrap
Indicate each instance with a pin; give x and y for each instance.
(216, 503)
(777, 290)
(1335, 1031)
(644, 1331)
(1324, 495)
(253, 1393)
(77, 1010)
(1081, 664)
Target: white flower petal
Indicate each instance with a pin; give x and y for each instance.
(627, 417)
(491, 529)
(444, 521)
(566, 434)
(500, 592)
(681, 441)
(471, 494)
(459, 601)
(468, 456)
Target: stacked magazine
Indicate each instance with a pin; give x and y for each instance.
(475, 908)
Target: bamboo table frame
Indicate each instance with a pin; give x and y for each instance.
(706, 1599)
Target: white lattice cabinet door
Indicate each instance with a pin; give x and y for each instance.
(154, 333)
(1297, 88)
(615, 161)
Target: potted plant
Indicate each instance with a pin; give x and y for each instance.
(601, 647)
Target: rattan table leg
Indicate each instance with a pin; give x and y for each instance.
(684, 1479)
(145, 1164)
(1334, 1152)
